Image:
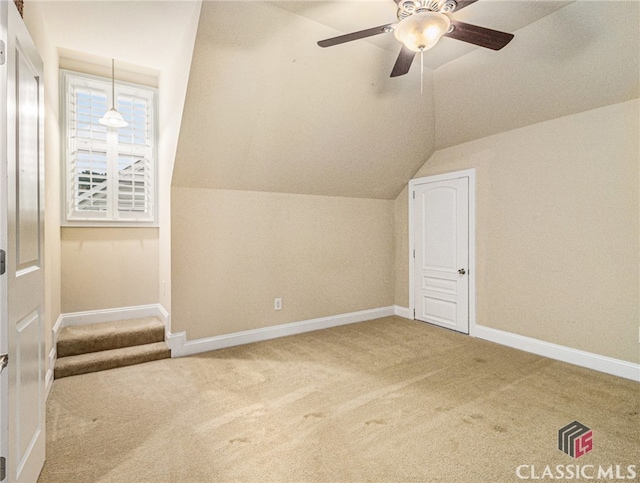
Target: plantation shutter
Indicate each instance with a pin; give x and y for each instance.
(87, 196)
(135, 152)
(110, 172)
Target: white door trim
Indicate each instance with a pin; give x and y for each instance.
(4, 346)
(471, 175)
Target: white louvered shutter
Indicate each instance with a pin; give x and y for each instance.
(110, 172)
(135, 155)
(87, 196)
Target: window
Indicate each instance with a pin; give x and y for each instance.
(110, 172)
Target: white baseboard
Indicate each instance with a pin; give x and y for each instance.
(53, 356)
(608, 365)
(176, 342)
(403, 312)
(48, 379)
(165, 317)
(56, 329)
(181, 347)
(113, 315)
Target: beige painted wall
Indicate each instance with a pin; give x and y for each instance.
(172, 89)
(401, 267)
(89, 64)
(233, 252)
(557, 229)
(105, 268)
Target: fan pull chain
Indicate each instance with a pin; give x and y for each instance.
(421, 70)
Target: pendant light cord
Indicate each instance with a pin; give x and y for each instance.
(421, 70)
(112, 118)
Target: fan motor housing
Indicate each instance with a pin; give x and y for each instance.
(407, 8)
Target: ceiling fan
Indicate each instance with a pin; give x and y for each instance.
(420, 25)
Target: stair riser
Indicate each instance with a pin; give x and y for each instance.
(65, 370)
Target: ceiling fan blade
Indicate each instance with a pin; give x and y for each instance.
(484, 37)
(341, 39)
(403, 63)
(463, 3)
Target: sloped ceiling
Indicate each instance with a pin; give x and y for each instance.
(143, 36)
(584, 56)
(268, 110)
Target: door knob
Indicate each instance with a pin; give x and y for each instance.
(462, 271)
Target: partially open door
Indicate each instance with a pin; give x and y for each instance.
(22, 312)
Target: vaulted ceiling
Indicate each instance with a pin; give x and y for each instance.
(268, 110)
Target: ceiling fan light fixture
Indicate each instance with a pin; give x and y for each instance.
(421, 31)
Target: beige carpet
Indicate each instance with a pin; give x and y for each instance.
(386, 400)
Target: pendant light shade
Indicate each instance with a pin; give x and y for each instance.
(113, 118)
(421, 31)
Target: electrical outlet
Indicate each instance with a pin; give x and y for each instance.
(277, 304)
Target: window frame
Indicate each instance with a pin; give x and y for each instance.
(71, 218)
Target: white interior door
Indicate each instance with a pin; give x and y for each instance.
(23, 325)
(441, 263)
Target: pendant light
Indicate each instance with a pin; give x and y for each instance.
(113, 118)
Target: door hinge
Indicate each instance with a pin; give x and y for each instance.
(414, 253)
(414, 195)
(3, 265)
(3, 468)
(414, 313)
(2, 59)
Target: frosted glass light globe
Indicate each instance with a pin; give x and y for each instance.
(421, 31)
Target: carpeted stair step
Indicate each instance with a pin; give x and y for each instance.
(82, 339)
(110, 359)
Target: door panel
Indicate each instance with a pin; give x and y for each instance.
(27, 166)
(441, 224)
(28, 391)
(24, 325)
(438, 231)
